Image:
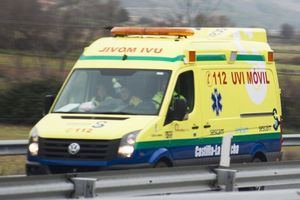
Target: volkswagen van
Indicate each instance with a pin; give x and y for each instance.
(157, 97)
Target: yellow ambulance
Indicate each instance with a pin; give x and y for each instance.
(161, 96)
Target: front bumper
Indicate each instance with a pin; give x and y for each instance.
(40, 165)
(35, 168)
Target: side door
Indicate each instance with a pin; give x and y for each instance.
(220, 100)
(183, 134)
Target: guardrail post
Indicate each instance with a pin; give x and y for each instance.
(226, 177)
(225, 150)
(84, 187)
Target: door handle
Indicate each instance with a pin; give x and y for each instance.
(195, 127)
(207, 126)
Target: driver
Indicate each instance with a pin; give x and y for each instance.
(129, 99)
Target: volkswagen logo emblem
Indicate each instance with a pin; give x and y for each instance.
(73, 148)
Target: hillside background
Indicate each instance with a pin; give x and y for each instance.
(243, 13)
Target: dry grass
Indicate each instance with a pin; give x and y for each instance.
(12, 165)
(14, 132)
(291, 153)
(285, 48)
(12, 60)
(287, 67)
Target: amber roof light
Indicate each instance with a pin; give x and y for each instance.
(170, 31)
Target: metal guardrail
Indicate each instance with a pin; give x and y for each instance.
(272, 194)
(293, 73)
(18, 147)
(145, 182)
(291, 140)
(13, 147)
(149, 182)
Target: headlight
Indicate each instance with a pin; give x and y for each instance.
(126, 148)
(33, 146)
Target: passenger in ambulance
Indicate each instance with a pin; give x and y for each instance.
(158, 97)
(101, 98)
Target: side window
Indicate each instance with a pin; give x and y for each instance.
(185, 89)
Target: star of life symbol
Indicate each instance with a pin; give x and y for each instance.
(216, 97)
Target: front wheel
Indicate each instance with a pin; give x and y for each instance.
(161, 164)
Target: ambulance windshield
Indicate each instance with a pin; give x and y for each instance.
(114, 91)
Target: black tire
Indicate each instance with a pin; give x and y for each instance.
(161, 164)
(257, 159)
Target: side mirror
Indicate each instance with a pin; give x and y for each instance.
(180, 109)
(48, 101)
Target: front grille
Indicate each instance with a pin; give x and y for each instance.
(95, 150)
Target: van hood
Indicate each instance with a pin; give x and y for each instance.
(66, 126)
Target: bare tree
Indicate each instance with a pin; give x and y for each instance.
(212, 21)
(80, 22)
(65, 26)
(22, 28)
(287, 31)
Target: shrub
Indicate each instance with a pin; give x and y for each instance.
(293, 61)
(290, 104)
(23, 102)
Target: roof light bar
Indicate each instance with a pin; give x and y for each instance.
(170, 31)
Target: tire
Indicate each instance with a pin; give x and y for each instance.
(161, 164)
(257, 159)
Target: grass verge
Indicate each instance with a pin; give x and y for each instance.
(33, 61)
(14, 132)
(12, 165)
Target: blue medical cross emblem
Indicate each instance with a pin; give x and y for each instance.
(216, 97)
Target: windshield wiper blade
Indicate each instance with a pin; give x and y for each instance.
(116, 113)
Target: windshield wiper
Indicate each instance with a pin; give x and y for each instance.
(115, 113)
